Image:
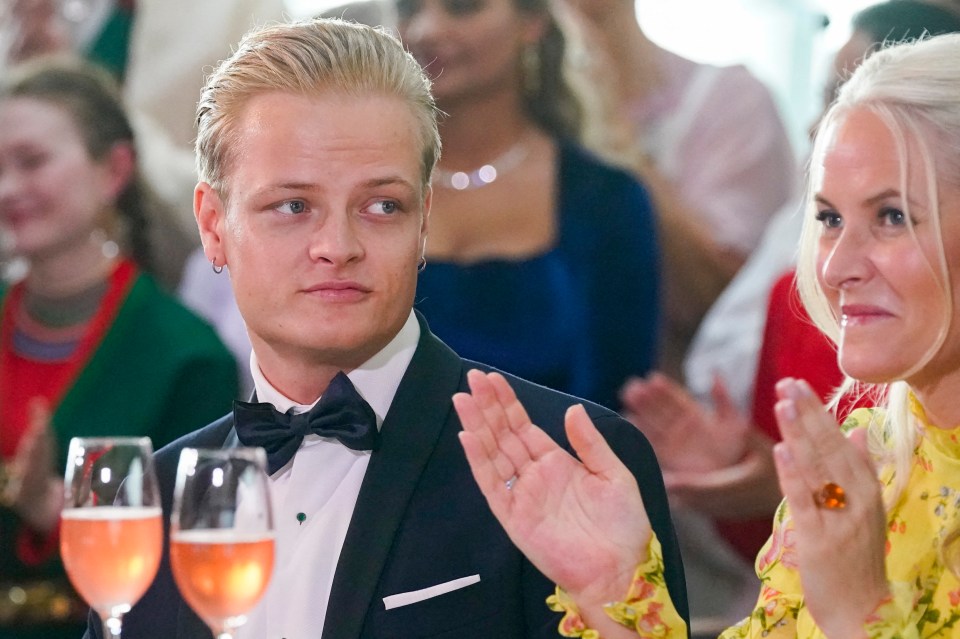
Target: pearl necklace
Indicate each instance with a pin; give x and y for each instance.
(486, 174)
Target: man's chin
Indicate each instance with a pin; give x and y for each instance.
(343, 351)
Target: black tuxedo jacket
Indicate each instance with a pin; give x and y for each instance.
(420, 520)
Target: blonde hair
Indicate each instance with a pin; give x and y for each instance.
(912, 88)
(309, 57)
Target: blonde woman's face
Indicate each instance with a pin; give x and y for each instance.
(878, 268)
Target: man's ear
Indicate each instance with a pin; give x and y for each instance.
(210, 212)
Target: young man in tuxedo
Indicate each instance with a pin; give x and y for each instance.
(316, 142)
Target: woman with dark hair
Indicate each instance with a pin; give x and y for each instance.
(543, 260)
(89, 344)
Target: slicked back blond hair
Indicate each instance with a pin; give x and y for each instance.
(309, 57)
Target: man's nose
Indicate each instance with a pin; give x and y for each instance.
(335, 239)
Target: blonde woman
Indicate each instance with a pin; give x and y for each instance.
(879, 272)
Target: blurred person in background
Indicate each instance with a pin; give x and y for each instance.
(707, 141)
(158, 49)
(543, 260)
(89, 344)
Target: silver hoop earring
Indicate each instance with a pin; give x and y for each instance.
(422, 264)
(216, 269)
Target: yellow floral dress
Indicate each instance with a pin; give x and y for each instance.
(926, 595)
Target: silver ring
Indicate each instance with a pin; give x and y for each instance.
(510, 482)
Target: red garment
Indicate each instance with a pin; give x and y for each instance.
(792, 347)
(22, 380)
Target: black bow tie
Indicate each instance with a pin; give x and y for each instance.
(341, 413)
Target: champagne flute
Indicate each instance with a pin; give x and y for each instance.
(111, 533)
(221, 534)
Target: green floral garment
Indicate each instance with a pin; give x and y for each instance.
(926, 595)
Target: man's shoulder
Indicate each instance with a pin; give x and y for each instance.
(546, 406)
(212, 435)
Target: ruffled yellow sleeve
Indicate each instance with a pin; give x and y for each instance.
(647, 607)
(780, 599)
(892, 619)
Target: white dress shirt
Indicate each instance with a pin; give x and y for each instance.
(321, 482)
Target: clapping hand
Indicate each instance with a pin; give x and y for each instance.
(686, 436)
(714, 461)
(582, 523)
(838, 516)
(34, 490)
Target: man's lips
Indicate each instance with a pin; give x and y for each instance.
(860, 314)
(339, 290)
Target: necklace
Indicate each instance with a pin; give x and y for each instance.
(486, 174)
(60, 312)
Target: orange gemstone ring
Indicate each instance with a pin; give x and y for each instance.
(830, 496)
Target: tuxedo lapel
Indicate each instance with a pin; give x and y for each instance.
(409, 434)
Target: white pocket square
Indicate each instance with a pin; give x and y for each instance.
(414, 596)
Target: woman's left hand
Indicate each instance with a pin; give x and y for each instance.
(840, 536)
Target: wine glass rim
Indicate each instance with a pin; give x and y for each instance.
(101, 440)
(252, 453)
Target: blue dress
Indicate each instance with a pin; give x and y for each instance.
(581, 317)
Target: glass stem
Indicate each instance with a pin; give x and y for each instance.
(111, 627)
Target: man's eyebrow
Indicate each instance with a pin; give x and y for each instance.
(286, 186)
(389, 181)
(312, 186)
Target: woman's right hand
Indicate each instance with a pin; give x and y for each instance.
(582, 524)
